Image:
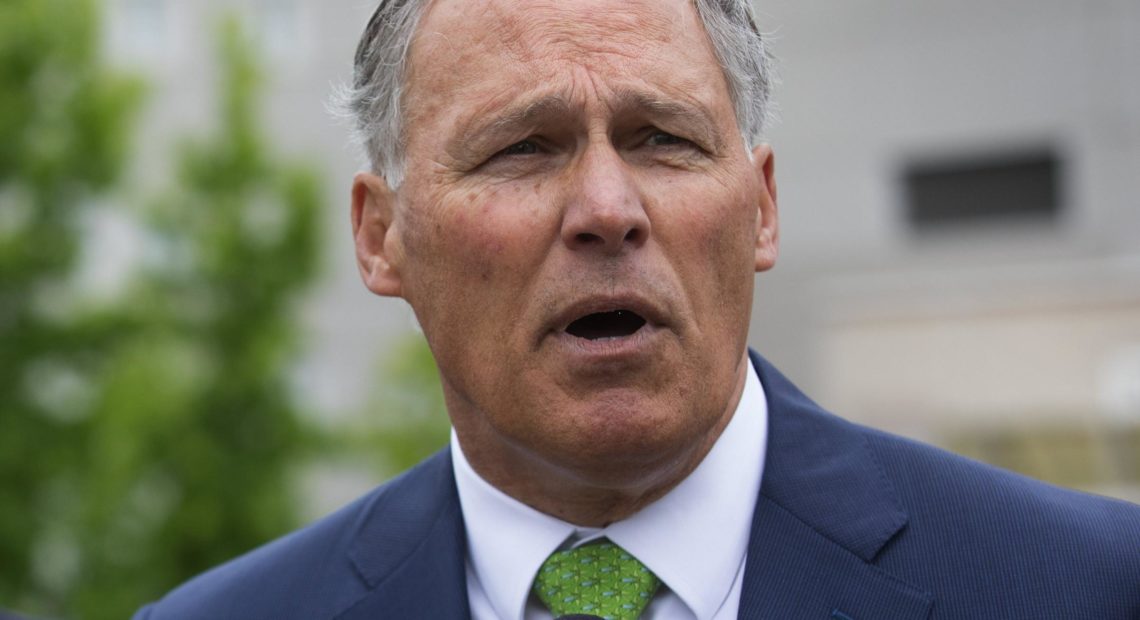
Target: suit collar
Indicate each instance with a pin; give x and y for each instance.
(409, 548)
(826, 509)
(821, 469)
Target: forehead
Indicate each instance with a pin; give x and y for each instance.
(529, 27)
(540, 26)
(471, 51)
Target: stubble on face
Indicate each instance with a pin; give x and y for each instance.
(487, 264)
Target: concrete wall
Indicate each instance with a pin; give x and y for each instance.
(984, 329)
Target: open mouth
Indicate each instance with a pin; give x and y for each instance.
(606, 325)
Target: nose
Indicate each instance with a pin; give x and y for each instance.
(605, 211)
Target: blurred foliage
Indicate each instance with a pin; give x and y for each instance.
(63, 137)
(148, 438)
(406, 418)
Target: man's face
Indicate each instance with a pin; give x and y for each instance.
(577, 232)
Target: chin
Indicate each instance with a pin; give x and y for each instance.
(622, 442)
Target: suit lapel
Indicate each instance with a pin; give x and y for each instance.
(825, 510)
(410, 546)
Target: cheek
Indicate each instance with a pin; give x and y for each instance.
(735, 243)
(477, 242)
(503, 236)
(716, 226)
(709, 234)
(475, 262)
(491, 237)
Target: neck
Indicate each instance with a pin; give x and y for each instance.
(602, 492)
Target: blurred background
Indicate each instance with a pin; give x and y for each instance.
(189, 365)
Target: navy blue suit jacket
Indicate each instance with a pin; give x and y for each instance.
(851, 523)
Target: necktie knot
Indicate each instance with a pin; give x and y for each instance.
(601, 580)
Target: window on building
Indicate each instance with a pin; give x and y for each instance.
(965, 191)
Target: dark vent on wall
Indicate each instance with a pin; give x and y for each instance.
(968, 191)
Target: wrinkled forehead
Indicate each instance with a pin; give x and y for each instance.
(476, 50)
(559, 21)
(472, 35)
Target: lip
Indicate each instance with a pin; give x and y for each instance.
(653, 315)
(587, 353)
(607, 349)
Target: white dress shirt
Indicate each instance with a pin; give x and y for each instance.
(694, 538)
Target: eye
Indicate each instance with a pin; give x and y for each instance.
(525, 147)
(660, 138)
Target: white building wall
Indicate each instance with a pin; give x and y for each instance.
(982, 329)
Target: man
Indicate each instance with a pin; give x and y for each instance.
(573, 198)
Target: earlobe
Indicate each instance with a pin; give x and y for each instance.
(375, 236)
(767, 224)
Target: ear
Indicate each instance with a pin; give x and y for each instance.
(378, 253)
(767, 229)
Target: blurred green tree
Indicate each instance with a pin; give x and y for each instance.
(143, 440)
(64, 122)
(405, 419)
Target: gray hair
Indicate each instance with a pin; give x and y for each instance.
(373, 101)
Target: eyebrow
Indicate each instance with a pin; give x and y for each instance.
(694, 118)
(520, 115)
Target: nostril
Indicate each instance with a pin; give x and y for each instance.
(633, 236)
(586, 238)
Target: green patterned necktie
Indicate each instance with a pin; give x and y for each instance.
(601, 580)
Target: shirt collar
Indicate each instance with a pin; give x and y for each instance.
(695, 550)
